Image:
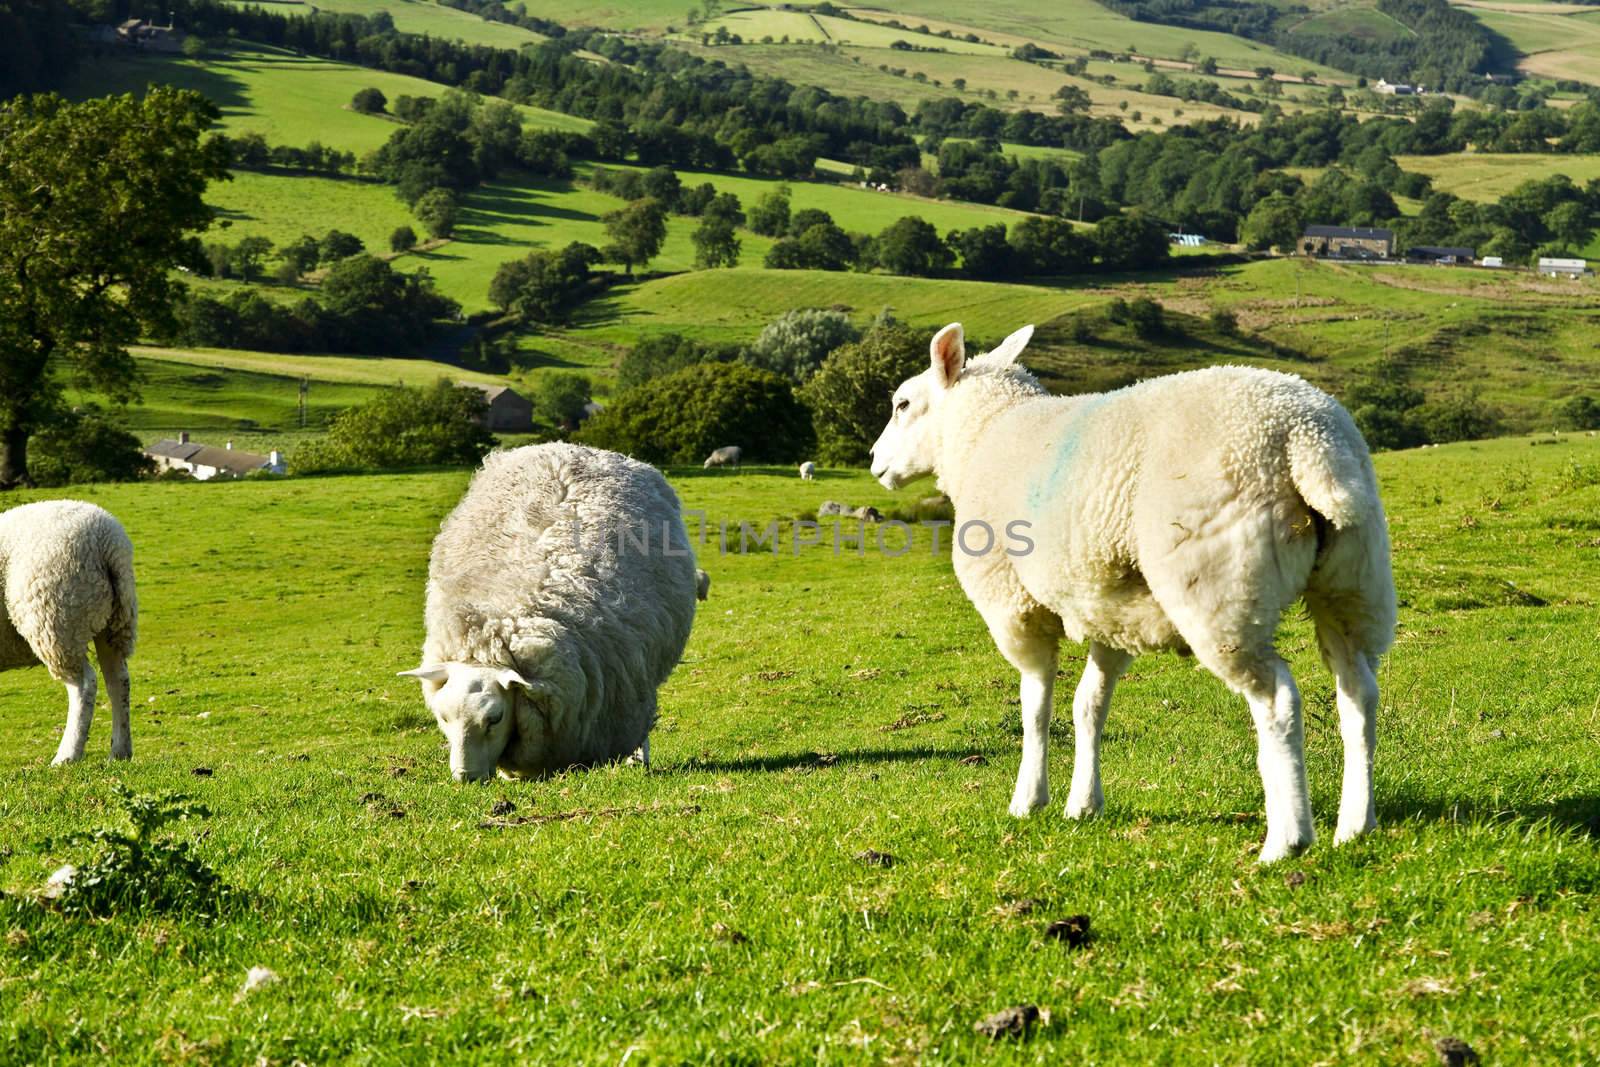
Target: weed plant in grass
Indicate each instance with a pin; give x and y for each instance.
(830, 706)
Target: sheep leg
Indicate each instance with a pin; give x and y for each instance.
(114, 668)
(80, 712)
(1280, 757)
(644, 752)
(1358, 726)
(1033, 653)
(1089, 705)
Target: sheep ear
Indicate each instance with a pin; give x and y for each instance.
(509, 678)
(1007, 351)
(949, 352)
(433, 672)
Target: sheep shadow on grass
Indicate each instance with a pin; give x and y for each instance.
(813, 759)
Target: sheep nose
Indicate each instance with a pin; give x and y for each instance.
(459, 775)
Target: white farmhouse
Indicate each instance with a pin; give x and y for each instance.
(207, 462)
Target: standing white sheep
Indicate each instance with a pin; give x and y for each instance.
(808, 471)
(1186, 512)
(561, 591)
(726, 456)
(66, 581)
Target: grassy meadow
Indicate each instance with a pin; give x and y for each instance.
(715, 909)
(288, 99)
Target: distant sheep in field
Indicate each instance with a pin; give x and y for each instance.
(702, 585)
(1186, 512)
(808, 471)
(66, 581)
(561, 591)
(727, 456)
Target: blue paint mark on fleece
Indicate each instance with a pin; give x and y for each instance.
(1049, 482)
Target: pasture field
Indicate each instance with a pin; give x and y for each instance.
(288, 99)
(735, 305)
(436, 20)
(282, 206)
(1553, 40)
(715, 908)
(189, 392)
(1487, 176)
(1081, 25)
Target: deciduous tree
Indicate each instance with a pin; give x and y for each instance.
(98, 202)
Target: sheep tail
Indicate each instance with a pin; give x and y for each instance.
(122, 629)
(1351, 586)
(1331, 468)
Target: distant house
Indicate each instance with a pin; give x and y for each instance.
(509, 411)
(208, 462)
(1187, 240)
(148, 37)
(1347, 242)
(1438, 254)
(1553, 267)
(1394, 88)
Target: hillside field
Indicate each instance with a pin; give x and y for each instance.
(288, 99)
(714, 908)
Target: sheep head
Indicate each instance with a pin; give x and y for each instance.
(474, 707)
(909, 445)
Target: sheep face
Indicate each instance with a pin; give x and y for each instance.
(908, 448)
(474, 707)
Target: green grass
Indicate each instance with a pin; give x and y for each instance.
(220, 398)
(1358, 21)
(734, 305)
(755, 25)
(436, 20)
(1487, 176)
(283, 206)
(1081, 25)
(1554, 41)
(710, 910)
(288, 99)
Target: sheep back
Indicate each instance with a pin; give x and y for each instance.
(66, 577)
(571, 565)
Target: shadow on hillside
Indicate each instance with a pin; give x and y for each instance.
(816, 760)
(114, 71)
(490, 207)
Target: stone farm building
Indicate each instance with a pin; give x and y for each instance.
(207, 462)
(509, 411)
(148, 37)
(1347, 242)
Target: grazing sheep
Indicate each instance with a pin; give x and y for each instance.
(727, 456)
(702, 585)
(561, 591)
(832, 507)
(808, 471)
(866, 513)
(66, 581)
(1186, 512)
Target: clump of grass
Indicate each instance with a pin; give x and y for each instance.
(140, 868)
(1575, 474)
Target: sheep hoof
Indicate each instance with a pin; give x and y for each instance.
(1022, 807)
(1082, 809)
(64, 758)
(1273, 851)
(1346, 834)
(122, 753)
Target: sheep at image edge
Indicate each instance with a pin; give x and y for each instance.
(561, 591)
(66, 580)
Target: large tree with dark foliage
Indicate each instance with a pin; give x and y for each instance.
(98, 202)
